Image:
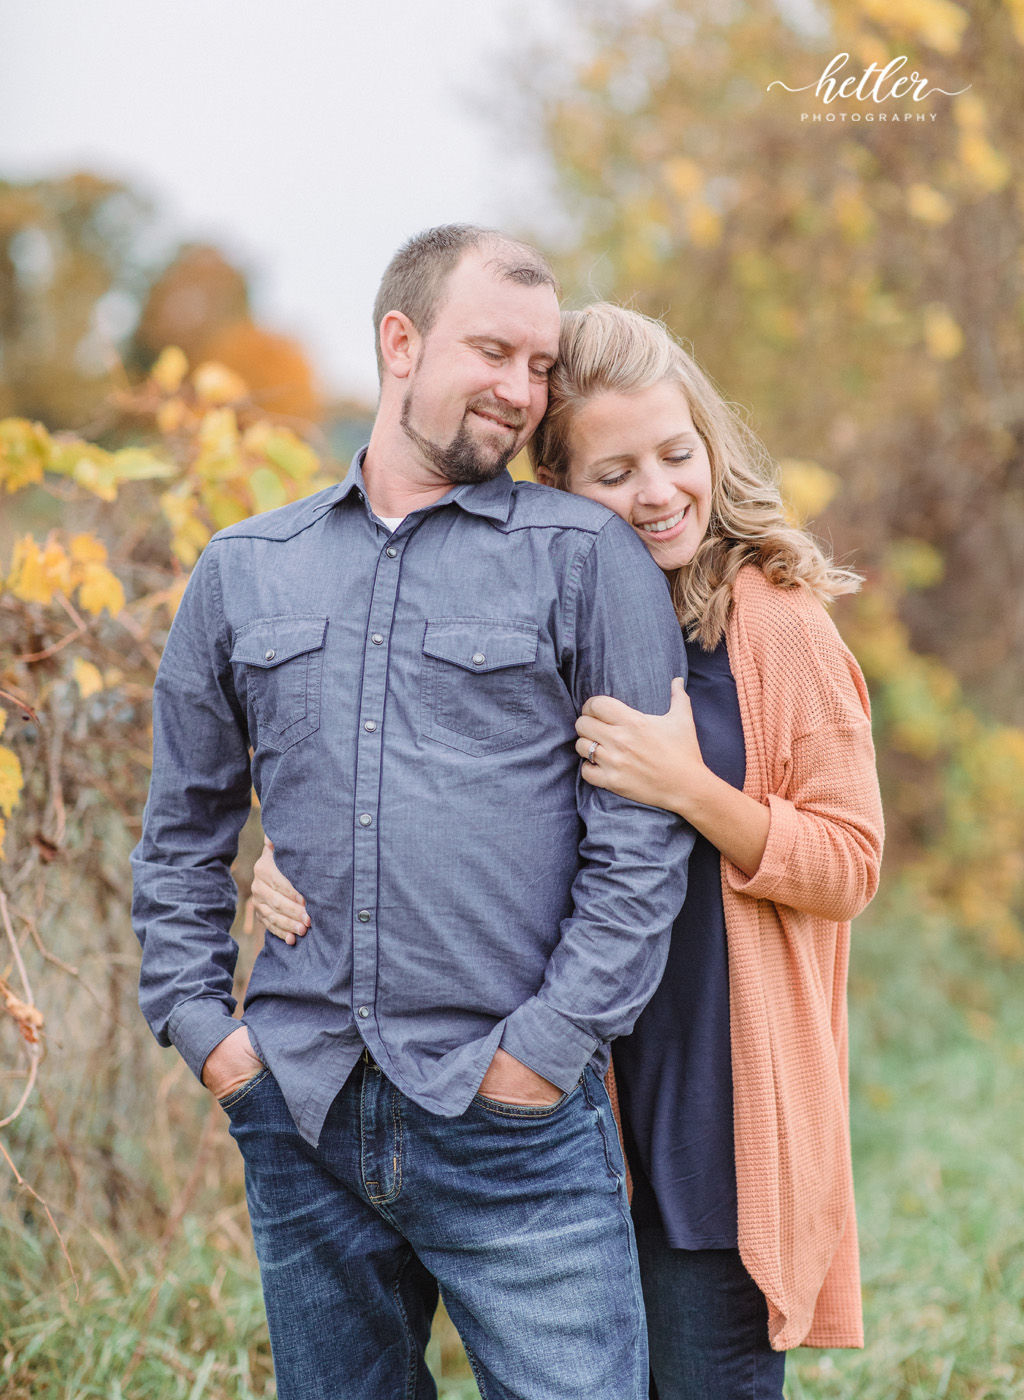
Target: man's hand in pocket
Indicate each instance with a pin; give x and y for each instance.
(231, 1064)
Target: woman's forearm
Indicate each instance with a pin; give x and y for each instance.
(737, 825)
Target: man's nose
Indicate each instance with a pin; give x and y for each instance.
(514, 386)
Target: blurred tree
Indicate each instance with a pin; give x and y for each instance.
(279, 376)
(860, 282)
(71, 273)
(195, 297)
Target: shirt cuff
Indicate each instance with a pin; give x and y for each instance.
(548, 1043)
(782, 833)
(198, 1026)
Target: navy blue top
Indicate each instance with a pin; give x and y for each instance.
(675, 1070)
(410, 701)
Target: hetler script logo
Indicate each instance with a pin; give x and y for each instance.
(875, 85)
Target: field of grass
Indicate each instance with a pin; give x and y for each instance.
(938, 1052)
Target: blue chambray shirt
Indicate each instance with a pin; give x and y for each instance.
(409, 700)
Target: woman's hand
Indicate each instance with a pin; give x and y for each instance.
(654, 759)
(275, 899)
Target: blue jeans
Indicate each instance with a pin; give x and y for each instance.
(519, 1214)
(707, 1322)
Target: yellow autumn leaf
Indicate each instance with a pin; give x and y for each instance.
(172, 416)
(189, 535)
(284, 449)
(216, 384)
(225, 505)
(218, 457)
(853, 213)
(807, 489)
(3, 833)
(24, 453)
(943, 338)
(87, 677)
(170, 369)
(11, 780)
(928, 205)
(139, 464)
(1016, 9)
(267, 489)
(704, 224)
(100, 589)
(87, 549)
(914, 563)
(38, 573)
(682, 176)
(937, 23)
(987, 168)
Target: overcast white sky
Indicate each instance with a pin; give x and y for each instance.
(307, 138)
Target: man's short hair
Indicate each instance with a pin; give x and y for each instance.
(414, 279)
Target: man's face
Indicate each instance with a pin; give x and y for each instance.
(480, 384)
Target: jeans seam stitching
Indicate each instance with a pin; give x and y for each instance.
(241, 1092)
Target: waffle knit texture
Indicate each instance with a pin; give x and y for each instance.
(807, 730)
(810, 759)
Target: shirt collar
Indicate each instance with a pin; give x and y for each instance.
(491, 499)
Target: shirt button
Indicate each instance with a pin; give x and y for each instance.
(370, 726)
(391, 551)
(363, 916)
(269, 655)
(365, 819)
(377, 639)
(364, 1011)
(478, 658)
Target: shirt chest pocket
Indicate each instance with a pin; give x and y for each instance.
(282, 658)
(479, 684)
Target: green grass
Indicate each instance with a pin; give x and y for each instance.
(938, 1122)
(938, 1113)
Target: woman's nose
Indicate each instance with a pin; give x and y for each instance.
(656, 487)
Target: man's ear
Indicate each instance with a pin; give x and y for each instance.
(399, 344)
(544, 475)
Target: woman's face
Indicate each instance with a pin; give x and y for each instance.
(640, 455)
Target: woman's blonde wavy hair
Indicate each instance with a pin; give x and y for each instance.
(605, 348)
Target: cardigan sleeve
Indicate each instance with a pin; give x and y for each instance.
(824, 844)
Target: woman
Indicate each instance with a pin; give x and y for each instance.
(733, 1084)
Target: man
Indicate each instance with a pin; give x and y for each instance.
(416, 1086)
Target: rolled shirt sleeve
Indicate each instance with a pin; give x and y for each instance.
(624, 641)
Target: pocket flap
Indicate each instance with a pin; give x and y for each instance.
(477, 644)
(270, 640)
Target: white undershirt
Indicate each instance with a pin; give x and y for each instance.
(391, 521)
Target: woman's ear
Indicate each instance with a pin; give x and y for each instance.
(544, 475)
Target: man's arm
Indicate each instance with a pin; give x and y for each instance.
(199, 797)
(624, 640)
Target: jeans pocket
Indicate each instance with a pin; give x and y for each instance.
(525, 1110)
(477, 689)
(229, 1101)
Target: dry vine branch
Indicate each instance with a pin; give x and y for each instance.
(36, 1196)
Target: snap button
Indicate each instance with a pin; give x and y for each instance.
(363, 916)
(377, 639)
(478, 658)
(391, 551)
(365, 819)
(269, 655)
(364, 1011)
(370, 726)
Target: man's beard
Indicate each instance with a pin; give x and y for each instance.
(463, 461)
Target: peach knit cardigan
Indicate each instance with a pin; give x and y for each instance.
(810, 758)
